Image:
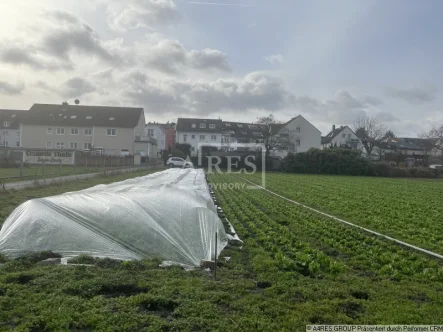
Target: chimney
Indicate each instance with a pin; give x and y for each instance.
(333, 127)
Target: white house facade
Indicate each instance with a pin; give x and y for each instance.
(342, 137)
(10, 128)
(156, 130)
(198, 131)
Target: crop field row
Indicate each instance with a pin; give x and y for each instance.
(409, 210)
(291, 243)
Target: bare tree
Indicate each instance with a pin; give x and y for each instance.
(435, 138)
(275, 137)
(370, 131)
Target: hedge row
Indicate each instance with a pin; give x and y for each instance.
(347, 162)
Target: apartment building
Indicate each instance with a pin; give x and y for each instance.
(300, 132)
(10, 127)
(196, 131)
(103, 129)
(232, 136)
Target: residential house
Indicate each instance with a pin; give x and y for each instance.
(10, 127)
(303, 134)
(196, 131)
(234, 134)
(342, 137)
(300, 132)
(103, 129)
(404, 149)
(156, 130)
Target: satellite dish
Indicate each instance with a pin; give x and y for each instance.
(77, 101)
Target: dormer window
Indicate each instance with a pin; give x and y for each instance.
(202, 125)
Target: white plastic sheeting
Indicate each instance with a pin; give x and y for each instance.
(168, 215)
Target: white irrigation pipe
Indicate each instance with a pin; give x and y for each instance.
(430, 253)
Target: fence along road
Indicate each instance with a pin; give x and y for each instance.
(47, 181)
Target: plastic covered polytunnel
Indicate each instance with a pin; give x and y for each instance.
(168, 215)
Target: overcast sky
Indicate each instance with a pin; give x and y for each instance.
(330, 61)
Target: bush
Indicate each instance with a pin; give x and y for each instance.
(425, 173)
(348, 162)
(383, 169)
(330, 161)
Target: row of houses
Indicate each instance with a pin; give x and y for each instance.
(125, 131)
(230, 136)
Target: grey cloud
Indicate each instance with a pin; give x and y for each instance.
(142, 13)
(275, 59)
(73, 35)
(62, 34)
(209, 59)
(344, 108)
(254, 91)
(29, 55)
(372, 101)
(76, 87)
(387, 117)
(167, 56)
(413, 96)
(171, 57)
(11, 89)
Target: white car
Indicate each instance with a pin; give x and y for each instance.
(178, 162)
(436, 167)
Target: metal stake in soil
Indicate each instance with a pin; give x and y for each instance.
(215, 259)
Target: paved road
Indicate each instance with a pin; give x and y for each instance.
(30, 183)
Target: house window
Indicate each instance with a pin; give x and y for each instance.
(49, 145)
(349, 136)
(194, 125)
(239, 125)
(87, 146)
(202, 125)
(60, 145)
(213, 137)
(73, 116)
(18, 143)
(60, 131)
(343, 135)
(74, 131)
(193, 148)
(112, 118)
(88, 132)
(111, 131)
(297, 130)
(6, 143)
(211, 125)
(49, 131)
(6, 123)
(88, 117)
(74, 145)
(193, 136)
(185, 137)
(150, 132)
(202, 137)
(227, 124)
(297, 142)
